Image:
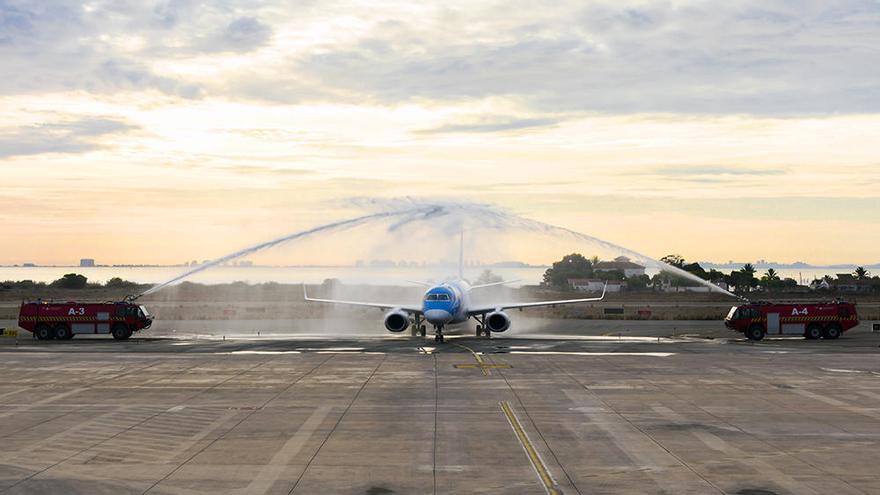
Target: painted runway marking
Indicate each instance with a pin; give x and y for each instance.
(482, 365)
(719, 444)
(601, 354)
(534, 457)
(42, 402)
(270, 473)
(265, 352)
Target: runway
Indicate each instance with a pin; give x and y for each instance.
(582, 414)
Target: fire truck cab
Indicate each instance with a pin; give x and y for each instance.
(62, 321)
(810, 320)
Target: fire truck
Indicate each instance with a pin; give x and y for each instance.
(810, 320)
(62, 321)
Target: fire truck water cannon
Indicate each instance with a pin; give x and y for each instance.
(63, 321)
(828, 320)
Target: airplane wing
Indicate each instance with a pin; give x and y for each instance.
(502, 306)
(408, 308)
(493, 284)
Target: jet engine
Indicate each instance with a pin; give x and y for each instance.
(497, 321)
(396, 320)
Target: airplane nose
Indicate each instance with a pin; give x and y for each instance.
(438, 316)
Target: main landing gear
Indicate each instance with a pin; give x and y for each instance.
(438, 333)
(418, 328)
(481, 326)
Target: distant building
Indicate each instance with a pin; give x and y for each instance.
(621, 264)
(29, 265)
(87, 262)
(846, 282)
(595, 285)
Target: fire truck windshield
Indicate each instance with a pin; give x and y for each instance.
(146, 313)
(732, 314)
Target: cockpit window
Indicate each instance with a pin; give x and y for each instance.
(437, 297)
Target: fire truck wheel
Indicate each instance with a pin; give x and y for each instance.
(62, 332)
(814, 331)
(755, 332)
(832, 331)
(44, 332)
(120, 332)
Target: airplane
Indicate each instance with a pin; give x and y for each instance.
(449, 303)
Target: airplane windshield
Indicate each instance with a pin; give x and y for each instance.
(437, 297)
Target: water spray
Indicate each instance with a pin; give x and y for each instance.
(342, 224)
(408, 211)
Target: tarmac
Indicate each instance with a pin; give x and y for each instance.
(593, 410)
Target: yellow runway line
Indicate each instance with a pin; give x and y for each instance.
(484, 366)
(537, 463)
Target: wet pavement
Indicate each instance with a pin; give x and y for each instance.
(591, 412)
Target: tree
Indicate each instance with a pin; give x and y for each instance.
(771, 280)
(673, 259)
(572, 265)
(861, 273)
(638, 282)
(696, 269)
(118, 283)
(71, 281)
(488, 277)
(744, 278)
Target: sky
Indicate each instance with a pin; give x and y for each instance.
(160, 132)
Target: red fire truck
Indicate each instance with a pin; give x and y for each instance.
(811, 320)
(51, 320)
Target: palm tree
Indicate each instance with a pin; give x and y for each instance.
(745, 278)
(771, 276)
(861, 273)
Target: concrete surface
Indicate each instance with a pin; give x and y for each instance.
(586, 414)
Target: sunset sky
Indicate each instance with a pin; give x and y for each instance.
(160, 132)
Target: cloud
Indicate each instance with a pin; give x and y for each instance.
(280, 171)
(683, 57)
(714, 171)
(241, 35)
(103, 47)
(767, 57)
(495, 124)
(76, 136)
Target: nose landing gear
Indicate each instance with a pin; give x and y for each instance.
(438, 333)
